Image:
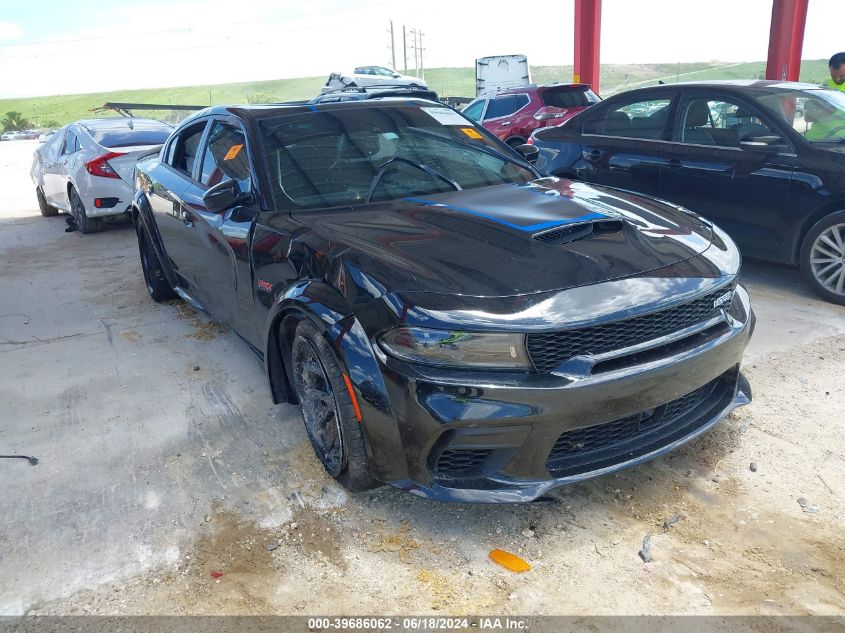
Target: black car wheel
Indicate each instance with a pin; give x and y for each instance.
(85, 224)
(46, 210)
(823, 257)
(157, 284)
(327, 409)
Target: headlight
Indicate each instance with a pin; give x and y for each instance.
(457, 349)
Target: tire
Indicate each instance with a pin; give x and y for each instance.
(823, 257)
(85, 224)
(327, 410)
(46, 210)
(154, 277)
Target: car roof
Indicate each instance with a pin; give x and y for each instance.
(737, 85)
(260, 111)
(529, 87)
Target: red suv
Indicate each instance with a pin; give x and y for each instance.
(514, 113)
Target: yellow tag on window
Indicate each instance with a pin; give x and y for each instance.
(233, 151)
(470, 132)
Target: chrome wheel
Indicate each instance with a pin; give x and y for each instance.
(827, 259)
(319, 406)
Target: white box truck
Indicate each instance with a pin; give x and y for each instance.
(500, 72)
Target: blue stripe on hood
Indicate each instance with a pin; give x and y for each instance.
(520, 227)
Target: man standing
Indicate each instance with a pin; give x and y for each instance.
(837, 72)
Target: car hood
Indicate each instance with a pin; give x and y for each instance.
(484, 242)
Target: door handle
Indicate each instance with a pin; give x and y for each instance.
(592, 156)
(504, 123)
(187, 219)
(674, 163)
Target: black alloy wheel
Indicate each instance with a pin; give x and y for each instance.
(154, 277)
(327, 409)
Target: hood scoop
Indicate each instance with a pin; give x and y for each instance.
(573, 232)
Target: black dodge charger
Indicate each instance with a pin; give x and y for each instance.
(450, 322)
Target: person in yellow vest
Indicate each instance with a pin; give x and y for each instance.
(828, 122)
(836, 65)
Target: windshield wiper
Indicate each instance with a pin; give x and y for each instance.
(382, 170)
(481, 148)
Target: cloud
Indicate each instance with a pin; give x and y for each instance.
(9, 31)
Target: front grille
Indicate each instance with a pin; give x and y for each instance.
(549, 350)
(460, 463)
(580, 450)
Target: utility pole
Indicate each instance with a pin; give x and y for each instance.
(405, 49)
(416, 55)
(392, 46)
(422, 69)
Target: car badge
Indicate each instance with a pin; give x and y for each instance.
(725, 299)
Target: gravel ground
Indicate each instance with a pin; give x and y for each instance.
(169, 484)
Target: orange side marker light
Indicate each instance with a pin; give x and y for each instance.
(352, 396)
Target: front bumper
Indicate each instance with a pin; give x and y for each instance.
(494, 437)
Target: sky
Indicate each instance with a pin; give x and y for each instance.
(59, 47)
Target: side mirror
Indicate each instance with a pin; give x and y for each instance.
(396, 75)
(762, 143)
(224, 195)
(529, 152)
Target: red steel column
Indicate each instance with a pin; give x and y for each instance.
(786, 39)
(587, 42)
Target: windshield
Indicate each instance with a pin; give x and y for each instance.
(818, 115)
(349, 156)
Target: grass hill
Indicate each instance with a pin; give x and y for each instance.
(62, 109)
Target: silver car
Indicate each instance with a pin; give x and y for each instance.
(87, 168)
(364, 76)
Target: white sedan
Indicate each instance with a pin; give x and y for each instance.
(87, 167)
(370, 76)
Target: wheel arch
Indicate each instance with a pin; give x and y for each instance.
(142, 215)
(346, 335)
(829, 208)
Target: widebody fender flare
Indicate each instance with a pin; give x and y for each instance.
(327, 309)
(142, 215)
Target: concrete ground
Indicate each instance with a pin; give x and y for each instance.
(163, 464)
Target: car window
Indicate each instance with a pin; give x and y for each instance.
(473, 111)
(704, 121)
(71, 143)
(343, 157)
(569, 97)
(225, 157)
(644, 119)
(503, 106)
(126, 137)
(53, 145)
(381, 70)
(184, 150)
(816, 113)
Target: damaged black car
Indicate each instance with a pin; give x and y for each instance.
(450, 322)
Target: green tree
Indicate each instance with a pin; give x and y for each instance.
(15, 121)
(50, 124)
